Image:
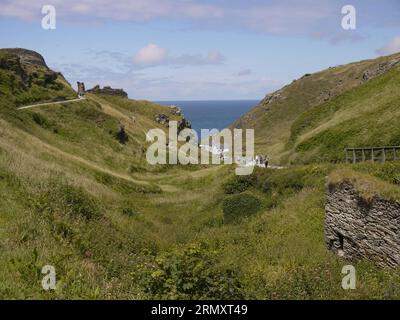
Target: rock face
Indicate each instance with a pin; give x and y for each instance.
(108, 90)
(29, 66)
(181, 125)
(184, 124)
(270, 98)
(13, 63)
(28, 57)
(176, 111)
(379, 69)
(357, 229)
(162, 119)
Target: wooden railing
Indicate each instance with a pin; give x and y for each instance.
(382, 154)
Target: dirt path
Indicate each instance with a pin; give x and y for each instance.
(49, 103)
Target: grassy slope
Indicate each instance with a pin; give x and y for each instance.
(75, 196)
(301, 107)
(114, 227)
(365, 116)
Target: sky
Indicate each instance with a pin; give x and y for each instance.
(199, 50)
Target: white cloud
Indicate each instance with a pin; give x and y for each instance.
(151, 55)
(137, 10)
(392, 47)
(273, 17)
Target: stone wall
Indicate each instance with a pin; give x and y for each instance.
(108, 90)
(356, 229)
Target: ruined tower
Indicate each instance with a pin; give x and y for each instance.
(81, 89)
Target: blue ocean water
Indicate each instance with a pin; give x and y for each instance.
(212, 114)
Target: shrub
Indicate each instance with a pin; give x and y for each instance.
(284, 181)
(239, 184)
(122, 136)
(240, 205)
(192, 273)
(39, 119)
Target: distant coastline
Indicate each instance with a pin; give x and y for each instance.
(212, 114)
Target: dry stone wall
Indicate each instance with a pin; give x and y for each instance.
(356, 229)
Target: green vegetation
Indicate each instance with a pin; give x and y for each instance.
(189, 273)
(24, 83)
(238, 184)
(239, 206)
(114, 227)
(314, 118)
(367, 186)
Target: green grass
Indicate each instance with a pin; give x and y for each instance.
(367, 186)
(115, 227)
(365, 116)
(292, 128)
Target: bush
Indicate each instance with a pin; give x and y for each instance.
(284, 181)
(240, 205)
(40, 120)
(193, 273)
(239, 184)
(122, 136)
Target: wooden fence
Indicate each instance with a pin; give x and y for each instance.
(382, 154)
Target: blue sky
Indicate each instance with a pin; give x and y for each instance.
(199, 50)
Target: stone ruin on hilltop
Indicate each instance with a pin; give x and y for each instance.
(108, 90)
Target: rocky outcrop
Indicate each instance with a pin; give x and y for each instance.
(108, 90)
(176, 111)
(13, 63)
(270, 98)
(184, 124)
(28, 57)
(162, 119)
(356, 228)
(379, 69)
(29, 66)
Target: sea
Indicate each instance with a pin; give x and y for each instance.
(217, 114)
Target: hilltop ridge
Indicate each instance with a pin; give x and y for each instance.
(25, 78)
(278, 118)
(27, 57)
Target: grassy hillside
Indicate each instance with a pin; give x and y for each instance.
(316, 117)
(74, 197)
